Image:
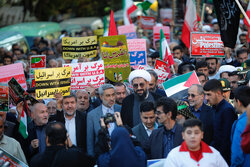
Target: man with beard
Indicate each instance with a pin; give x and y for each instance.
(212, 68)
(74, 121)
(202, 111)
(120, 92)
(153, 85)
(107, 109)
(130, 111)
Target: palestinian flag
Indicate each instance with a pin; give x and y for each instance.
(128, 8)
(23, 125)
(177, 87)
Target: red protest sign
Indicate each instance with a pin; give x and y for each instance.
(162, 70)
(206, 45)
(147, 23)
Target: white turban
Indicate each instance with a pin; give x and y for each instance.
(139, 74)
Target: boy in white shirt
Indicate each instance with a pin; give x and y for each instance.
(193, 151)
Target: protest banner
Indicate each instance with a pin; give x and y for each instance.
(83, 74)
(156, 33)
(115, 55)
(6, 159)
(128, 30)
(76, 47)
(206, 45)
(161, 70)
(4, 97)
(166, 15)
(51, 81)
(17, 93)
(13, 70)
(99, 32)
(137, 52)
(145, 22)
(36, 62)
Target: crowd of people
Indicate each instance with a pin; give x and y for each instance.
(128, 123)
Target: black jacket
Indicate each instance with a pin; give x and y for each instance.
(55, 156)
(127, 108)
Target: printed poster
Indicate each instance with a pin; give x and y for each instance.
(145, 22)
(162, 70)
(137, 52)
(115, 55)
(76, 47)
(7, 157)
(13, 70)
(83, 74)
(128, 30)
(51, 81)
(156, 33)
(206, 45)
(36, 62)
(4, 97)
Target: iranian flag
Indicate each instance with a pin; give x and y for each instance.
(177, 87)
(128, 8)
(248, 15)
(165, 53)
(190, 22)
(23, 125)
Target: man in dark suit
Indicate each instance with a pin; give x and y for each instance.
(130, 111)
(168, 136)
(59, 152)
(202, 111)
(143, 130)
(108, 107)
(224, 117)
(74, 121)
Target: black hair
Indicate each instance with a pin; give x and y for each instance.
(201, 74)
(209, 58)
(241, 51)
(147, 106)
(155, 55)
(178, 47)
(8, 57)
(242, 94)
(169, 105)
(192, 123)
(56, 133)
(69, 96)
(213, 85)
(152, 72)
(200, 64)
(183, 66)
(43, 41)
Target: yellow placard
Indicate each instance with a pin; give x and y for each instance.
(50, 93)
(76, 47)
(52, 73)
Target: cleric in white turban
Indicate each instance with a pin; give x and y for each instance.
(139, 74)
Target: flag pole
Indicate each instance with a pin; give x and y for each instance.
(243, 12)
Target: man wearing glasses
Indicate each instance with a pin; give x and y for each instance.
(130, 111)
(168, 136)
(202, 111)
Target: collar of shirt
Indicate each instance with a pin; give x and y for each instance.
(149, 131)
(106, 110)
(3, 141)
(199, 109)
(171, 130)
(66, 119)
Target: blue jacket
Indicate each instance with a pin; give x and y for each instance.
(224, 117)
(238, 158)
